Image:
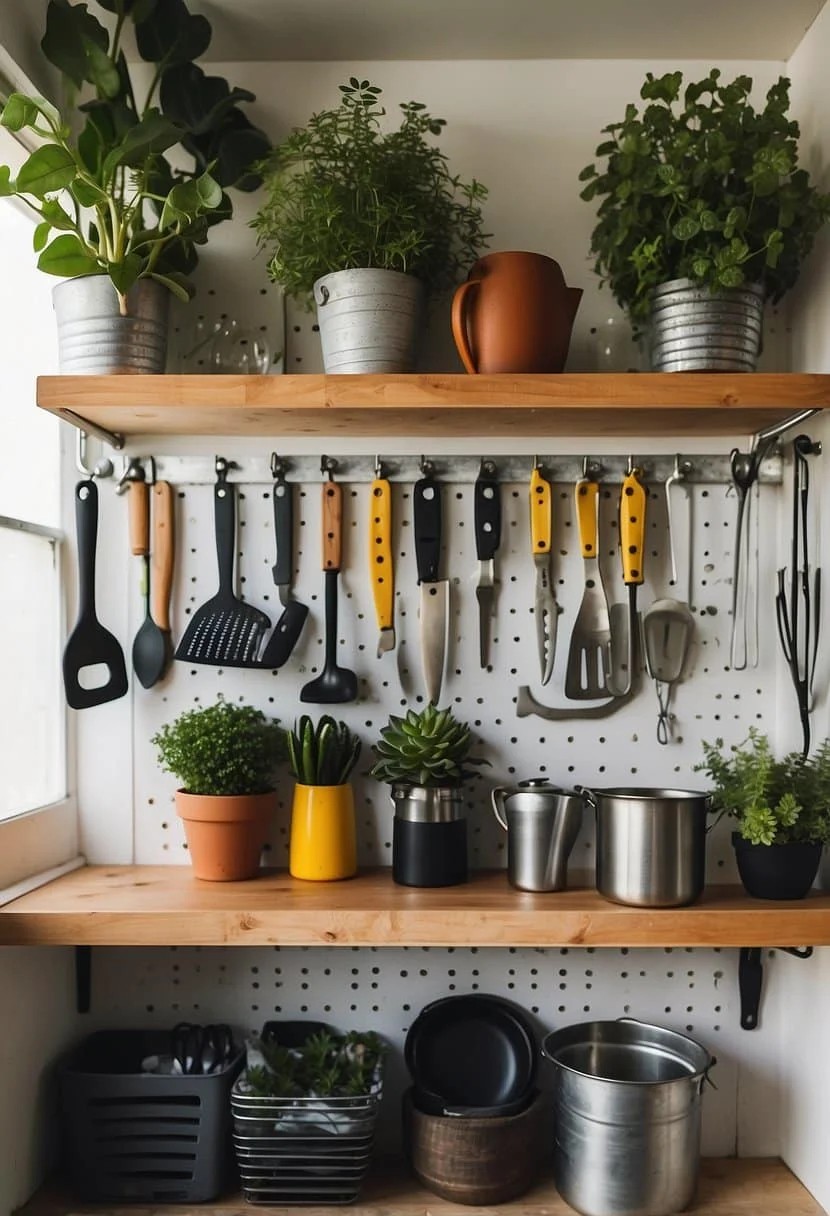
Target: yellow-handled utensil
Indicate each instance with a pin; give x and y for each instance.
(381, 563)
(545, 608)
(632, 547)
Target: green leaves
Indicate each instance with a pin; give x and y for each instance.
(429, 748)
(154, 133)
(169, 34)
(224, 748)
(50, 168)
(325, 754)
(76, 43)
(19, 111)
(68, 258)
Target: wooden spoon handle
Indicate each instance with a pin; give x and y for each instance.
(161, 581)
(332, 524)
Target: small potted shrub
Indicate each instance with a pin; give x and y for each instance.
(127, 183)
(424, 757)
(781, 809)
(368, 221)
(323, 844)
(704, 214)
(225, 757)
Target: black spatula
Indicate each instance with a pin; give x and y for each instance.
(225, 631)
(90, 644)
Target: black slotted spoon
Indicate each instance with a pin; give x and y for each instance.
(225, 631)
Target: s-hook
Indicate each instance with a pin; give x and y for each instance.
(102, 468)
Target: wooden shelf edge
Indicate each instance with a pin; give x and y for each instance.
(165, 905)
(728, 1187)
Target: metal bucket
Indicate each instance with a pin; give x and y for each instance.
(95, 340)
(627, 1106)
(694, 329)
(369, 320)
(651, 845)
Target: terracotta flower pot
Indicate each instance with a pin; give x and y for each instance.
(515, 313)
(225, 834)
(323, 844)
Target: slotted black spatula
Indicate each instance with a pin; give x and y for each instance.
(90, 644)
(225, 631)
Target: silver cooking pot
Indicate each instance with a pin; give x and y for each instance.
(651, 845)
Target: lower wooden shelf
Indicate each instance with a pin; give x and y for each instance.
(166, 905)
(747, 1187)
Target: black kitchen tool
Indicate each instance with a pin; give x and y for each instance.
(200, 1050)
(290, 624)
(225, 631)
(334, 684)
(150, 644)
(487, 515)
(475, 1053)
(90, 644)
(434, 610)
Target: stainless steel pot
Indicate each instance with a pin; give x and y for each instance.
(421, 804)
(651, 845)
(542, 824)
(627, 1106)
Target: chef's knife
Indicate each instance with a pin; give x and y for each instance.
(381, 564)
(435, 592)
(487, 509)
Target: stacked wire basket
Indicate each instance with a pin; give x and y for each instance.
(304, 1150)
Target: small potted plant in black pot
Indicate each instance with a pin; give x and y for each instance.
(781, 808)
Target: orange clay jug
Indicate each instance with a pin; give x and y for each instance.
(515, 313)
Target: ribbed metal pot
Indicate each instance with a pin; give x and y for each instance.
(693, 329)
(426, 804)
(369, 320)
(95, 340)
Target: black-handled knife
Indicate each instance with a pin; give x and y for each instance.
(487, 511)
(434, 609)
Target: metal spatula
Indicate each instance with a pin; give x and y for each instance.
(225, 631)
(589, 655)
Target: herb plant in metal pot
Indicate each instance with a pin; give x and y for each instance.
(368, 221)
(117, 218)
(704, 215)
(225, 757)
(323, 843)
(424, 757)
(781, 808)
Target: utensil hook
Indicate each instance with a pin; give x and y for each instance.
(133, 471)
(328, 467)
(102, 468)
(279, 467)
(426, 467)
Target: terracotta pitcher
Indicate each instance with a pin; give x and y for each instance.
(514, 314)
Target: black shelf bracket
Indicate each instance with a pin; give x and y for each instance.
(751, 980)
(83, 978)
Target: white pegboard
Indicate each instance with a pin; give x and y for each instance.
(713, 700)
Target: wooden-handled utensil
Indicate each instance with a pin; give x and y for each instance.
(334, 684)
(151, 649)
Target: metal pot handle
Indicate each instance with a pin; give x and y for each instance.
(497, 797)
(589, 797)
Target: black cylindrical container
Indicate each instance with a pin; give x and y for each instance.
(429, 854)
(777, 871)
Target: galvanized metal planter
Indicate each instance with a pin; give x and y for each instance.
(369, 320)
(693, 329)
(95, 340)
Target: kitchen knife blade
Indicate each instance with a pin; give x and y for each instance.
(435, 592)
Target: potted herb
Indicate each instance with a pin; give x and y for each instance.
(369, 221)
(128, 183)
(323, 843)
(424, 757)
(781, 809)
(225, 757)
(704, 214)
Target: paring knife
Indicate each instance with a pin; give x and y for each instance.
(545, 607)
(293, 617)
(435, 592)
(381, 563)
(632, 538)
(487, 509)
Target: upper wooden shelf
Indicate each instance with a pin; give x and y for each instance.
(434, 405)
(166, 905)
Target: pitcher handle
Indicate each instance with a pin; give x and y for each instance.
(459, 324)
(586, 795)
(497, 797)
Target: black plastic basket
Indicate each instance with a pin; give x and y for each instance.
(139, 1136)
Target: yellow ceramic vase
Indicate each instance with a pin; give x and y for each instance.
(323, 846)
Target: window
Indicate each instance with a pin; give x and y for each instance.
(37, 821)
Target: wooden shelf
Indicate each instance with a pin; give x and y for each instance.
(433, 405)
(166, 905)
(727, 1188)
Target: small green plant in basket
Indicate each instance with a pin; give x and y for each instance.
(327, 1065)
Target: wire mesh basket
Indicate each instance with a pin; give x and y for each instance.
(304, 1150)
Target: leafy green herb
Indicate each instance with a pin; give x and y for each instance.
(773, 801)
(430, 748)
(325, 1066)
(324, 754)
(700, 185)
(223, 749)
(342, 193)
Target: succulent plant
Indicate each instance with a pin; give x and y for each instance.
(429, 748)
(324, 754)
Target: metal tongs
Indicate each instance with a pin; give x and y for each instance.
(798, 614)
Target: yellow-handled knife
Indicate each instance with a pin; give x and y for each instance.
(545, 607)
(381, 564)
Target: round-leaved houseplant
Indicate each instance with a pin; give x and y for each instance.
(225, 756)
(704, 213)
(369, 221)
(128, 180)
(323, 844)
(781, 810)
(424, 757)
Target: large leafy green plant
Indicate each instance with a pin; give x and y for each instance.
(108, 198)
(773, 801)
(700, 185)
(222, 749)
(344, 194)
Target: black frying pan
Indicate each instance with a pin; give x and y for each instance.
(471, 1054)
